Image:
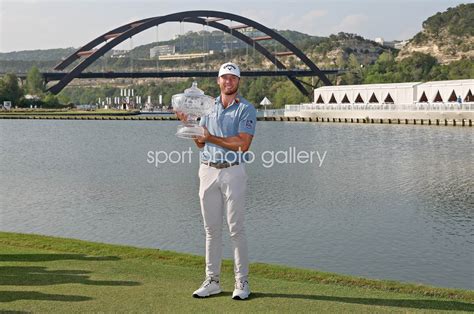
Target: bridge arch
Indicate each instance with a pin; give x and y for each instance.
(204, 17)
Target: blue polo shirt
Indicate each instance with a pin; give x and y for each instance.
(238, 117)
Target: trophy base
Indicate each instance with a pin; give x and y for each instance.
(189, 131)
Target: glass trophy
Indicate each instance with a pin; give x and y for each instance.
(194, 104)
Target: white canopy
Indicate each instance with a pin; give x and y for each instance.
(396, 93)
(265, 102)
(445, 91)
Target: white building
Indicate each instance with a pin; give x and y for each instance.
(185, 56)
(162, 50)
(379, 40)
(397, 94)
(440, 100)
(397, 44)
(120, 53)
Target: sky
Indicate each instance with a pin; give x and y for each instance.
(45, 24)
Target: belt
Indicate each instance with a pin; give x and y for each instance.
(220, 165)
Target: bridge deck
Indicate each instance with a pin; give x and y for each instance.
(55, 76)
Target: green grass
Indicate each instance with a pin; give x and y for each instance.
(46, 274)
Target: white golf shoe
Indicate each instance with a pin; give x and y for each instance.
(209, 287)
(241, 290)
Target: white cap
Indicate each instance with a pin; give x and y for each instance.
(229, 68)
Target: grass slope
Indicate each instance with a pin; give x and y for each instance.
(46, 274)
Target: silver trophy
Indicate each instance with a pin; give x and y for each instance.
(194, 104)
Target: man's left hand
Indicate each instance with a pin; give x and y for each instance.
(205, 137)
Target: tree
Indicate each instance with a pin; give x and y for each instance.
(63, 99)
(416, 67)
(284, 93)
(34, 82)
(354, 73)
(10, 89)
(254, 89)
(462, 69)
(384, 70)
(51, 101)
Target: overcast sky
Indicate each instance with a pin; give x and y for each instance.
(43, 24)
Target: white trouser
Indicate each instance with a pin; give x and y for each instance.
(223, 191)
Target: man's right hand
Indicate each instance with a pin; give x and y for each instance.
(181, 116)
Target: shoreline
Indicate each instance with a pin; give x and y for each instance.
(439, 121)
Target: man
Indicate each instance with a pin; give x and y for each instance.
(228, 133)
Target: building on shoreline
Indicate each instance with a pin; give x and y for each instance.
(424, 100)
(405, 96)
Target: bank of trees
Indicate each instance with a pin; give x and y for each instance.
(280, 91)
(386, 69)
(10, 89)
(32, 93)
(418, 67)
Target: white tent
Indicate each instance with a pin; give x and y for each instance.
(397, 93)
(444, 91)
(265, 102)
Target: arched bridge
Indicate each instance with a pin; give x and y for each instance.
(100, 45)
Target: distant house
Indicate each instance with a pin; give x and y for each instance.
(162, 50)
(397, 44)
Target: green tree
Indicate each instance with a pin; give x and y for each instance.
(354, 74)
(384, 70)
(34, 82)
(63, 99)
(51, 101)
(254, 89)
(10, 89)
(462, 69)
(416, 67)
(283, 93)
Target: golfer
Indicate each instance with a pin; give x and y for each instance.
(228, 133)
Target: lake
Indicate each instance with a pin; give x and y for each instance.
(386, 201)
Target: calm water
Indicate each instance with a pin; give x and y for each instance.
(393, 202)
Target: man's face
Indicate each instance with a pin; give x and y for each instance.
(228, 83)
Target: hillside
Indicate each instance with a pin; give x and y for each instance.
(448, 36)
(37, 55)
(332, 51)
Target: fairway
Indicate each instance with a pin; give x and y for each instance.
(45, 274)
